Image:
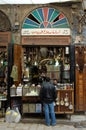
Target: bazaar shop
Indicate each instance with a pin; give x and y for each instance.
(5, 38)
(45, 50)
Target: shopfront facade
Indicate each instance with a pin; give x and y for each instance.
(42, 43)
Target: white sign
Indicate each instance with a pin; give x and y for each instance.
(46, 31)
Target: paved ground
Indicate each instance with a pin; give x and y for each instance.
(76, 123)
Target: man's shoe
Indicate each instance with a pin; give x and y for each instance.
(47, 124)
(53, 124)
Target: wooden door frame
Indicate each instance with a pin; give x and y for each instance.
(46, 40)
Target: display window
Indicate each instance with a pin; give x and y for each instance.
(50, 61)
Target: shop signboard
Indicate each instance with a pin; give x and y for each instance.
(45, 31)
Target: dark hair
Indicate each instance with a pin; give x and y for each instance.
(47, 79)
(54, 79)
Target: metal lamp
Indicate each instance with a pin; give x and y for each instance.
(84, 5)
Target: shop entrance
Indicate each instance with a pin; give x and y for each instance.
(45, 50)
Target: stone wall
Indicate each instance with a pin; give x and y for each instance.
(17, 13)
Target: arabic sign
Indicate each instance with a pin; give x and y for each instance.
(60, 31)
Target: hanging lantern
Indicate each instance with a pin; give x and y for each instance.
(66, 50)
(84, 5)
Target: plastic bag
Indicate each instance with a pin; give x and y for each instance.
(8, 115)
(16, 116)
(13, 115)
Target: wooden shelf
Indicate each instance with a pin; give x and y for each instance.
(62, 109)
(58, 108)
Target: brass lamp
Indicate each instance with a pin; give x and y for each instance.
(84, 5)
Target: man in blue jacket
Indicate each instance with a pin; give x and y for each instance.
(48, 96)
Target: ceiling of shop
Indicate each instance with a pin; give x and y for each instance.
(35, 1)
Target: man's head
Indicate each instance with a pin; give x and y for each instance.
(55, 81)
(47, 79)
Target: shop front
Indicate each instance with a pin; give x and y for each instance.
(5, 38)
(45, 50)
(46, 45)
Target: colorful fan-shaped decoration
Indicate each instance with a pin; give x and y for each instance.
(45, 18)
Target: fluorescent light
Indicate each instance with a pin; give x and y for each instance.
(57, 63)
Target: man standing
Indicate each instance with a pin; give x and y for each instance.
(55, 82)
(48, 95)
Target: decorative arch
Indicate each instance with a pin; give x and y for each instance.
(5, 24)
(45, 17)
